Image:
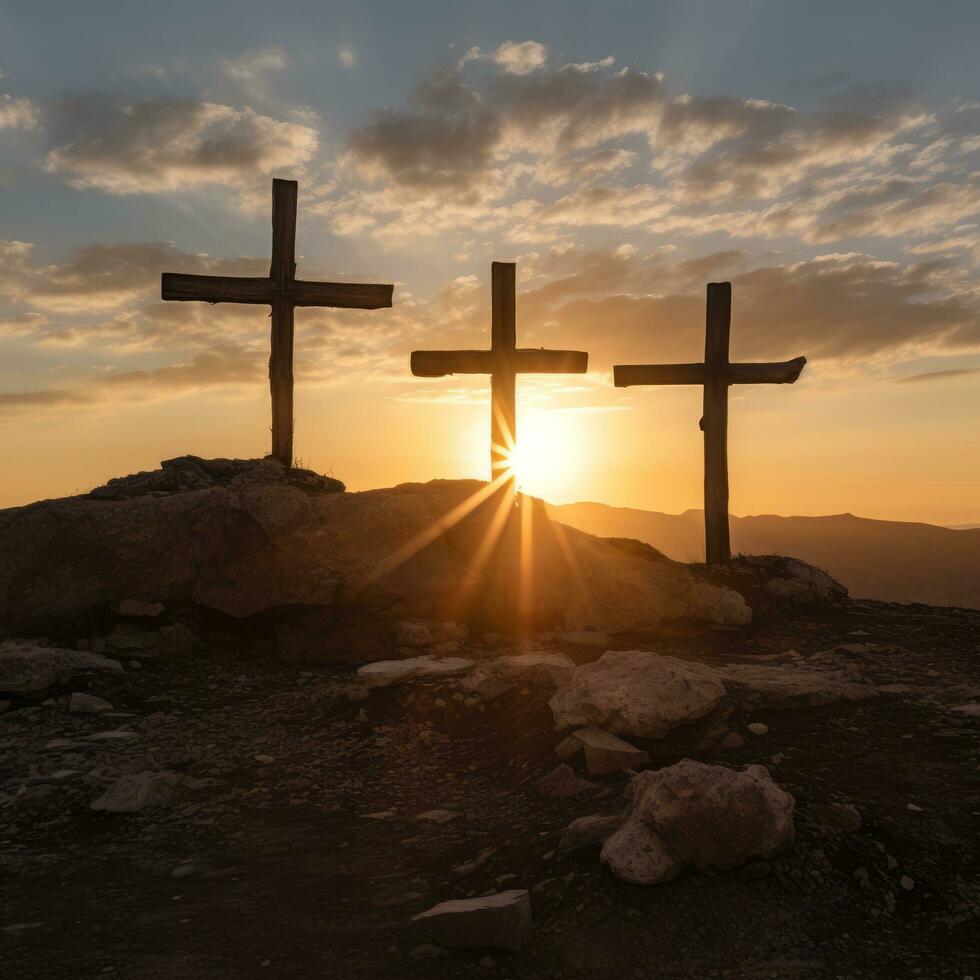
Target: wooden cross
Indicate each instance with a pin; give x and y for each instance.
(283, 292)
(716, 374)
(503, 362)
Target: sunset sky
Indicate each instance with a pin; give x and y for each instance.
(824, 157)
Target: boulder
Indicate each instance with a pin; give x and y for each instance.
(493, 678)
(634, 692)
(137, 791)
(338, 570)
(26, 668)
(502, 921)
(710, 817)
(604, 752)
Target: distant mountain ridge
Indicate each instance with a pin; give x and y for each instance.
(893, 561)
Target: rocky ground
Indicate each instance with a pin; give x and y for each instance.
(304, 819)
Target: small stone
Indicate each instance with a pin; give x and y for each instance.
(604, 752)
(488, 963)
(562, 782)
(88, 704)
(379, 815)
(757, 728)
(501, 921)
(732, 740)
(835, 818)
(907, 883)
(439, 816)
(427, 951)
(135, 792)
(591, 829)
(914, 808)
(183, 871)
(266, 760)
(116, 735)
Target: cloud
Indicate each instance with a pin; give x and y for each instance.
(633, 308)
(347, 56)
(169, 144)
(940, 375)
(520, 57)
(253, 66)
(18, 113)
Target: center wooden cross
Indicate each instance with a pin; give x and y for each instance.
(503, 362)
(283, 292)
(716, 374)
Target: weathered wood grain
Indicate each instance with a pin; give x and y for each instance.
(283, 292)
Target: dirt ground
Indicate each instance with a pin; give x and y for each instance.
(293, 848)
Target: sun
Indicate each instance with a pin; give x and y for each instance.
(547, 459)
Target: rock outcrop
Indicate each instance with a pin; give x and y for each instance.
(634, 692)
(694, 814)
(339, 570)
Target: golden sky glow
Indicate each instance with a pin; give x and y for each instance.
(621, 167)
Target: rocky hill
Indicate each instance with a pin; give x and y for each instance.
(594, 765)
(894, 561)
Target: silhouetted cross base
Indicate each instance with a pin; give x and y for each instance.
(503, 362)
(716, 374)
(283, 292)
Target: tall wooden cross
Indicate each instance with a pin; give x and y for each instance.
(283, 292)
(503, 362)
(716, 374)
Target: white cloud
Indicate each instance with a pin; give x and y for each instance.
(347, 56)
(520, 57)
(18, 113)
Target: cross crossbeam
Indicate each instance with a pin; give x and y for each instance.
(503, 362)
(715, 373)
(283, 292)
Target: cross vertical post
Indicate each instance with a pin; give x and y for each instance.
(283, 292)
(503, 362)
(282, 271)
(716, 373)
(503, 380)
(714, 422)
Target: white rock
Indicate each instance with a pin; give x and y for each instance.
(604, 752)
(383, 673)
(87, 704)
(694, 814)
(502, 921)
(634, 692)
(137, 792)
